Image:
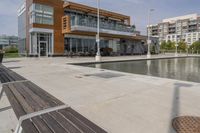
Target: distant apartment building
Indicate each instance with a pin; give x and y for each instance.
(185, 28)
(56, 27)
(6, 41)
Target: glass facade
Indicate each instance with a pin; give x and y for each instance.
(87, 46)
(41, 14)
(22, 32)
(41, 43)
(82, 19)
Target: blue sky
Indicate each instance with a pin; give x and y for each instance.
(137, 9)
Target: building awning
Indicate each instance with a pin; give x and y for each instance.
(92, 10)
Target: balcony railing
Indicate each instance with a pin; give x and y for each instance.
(106, 25)
(102, 30)
(192, 23)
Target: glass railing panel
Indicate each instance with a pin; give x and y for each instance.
(88, 22)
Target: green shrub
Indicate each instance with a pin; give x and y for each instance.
(11, 49)
(169, 45)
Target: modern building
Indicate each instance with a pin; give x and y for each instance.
(185, 28)
(57, 27)
(7, 41)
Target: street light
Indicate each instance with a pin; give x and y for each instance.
(98, 55)
(148, 34)
(176, 52)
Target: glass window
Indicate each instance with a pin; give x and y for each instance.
(41, 14)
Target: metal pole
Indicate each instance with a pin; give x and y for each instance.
(176, 52)
(98, 26)
(148, 34)
(39, 50)
(98, 55)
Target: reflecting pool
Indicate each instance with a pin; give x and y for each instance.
(187, 69)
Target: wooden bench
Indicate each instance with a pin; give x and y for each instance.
(40, 112)
(6, 75)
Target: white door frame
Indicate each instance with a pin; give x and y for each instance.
(49, 31)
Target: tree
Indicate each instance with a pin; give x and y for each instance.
(195, 47)
(153, 49)
(170, 45)
(182, 46)
(163, 45)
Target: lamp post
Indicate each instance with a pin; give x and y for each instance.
(148, 34)
(192, 50)
(98, 55)
(187, 49)
(176, 52)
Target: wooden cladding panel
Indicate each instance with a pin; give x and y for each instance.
(58, 42)
(66, 26)
(93, 10)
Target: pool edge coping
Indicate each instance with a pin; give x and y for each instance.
(139, 59)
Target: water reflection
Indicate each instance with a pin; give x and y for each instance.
(148, 67)
(98, 66)
(187, 69)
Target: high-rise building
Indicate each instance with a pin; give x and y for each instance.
(183, 28)
(56, 27)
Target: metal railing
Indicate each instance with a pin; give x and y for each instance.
(88, 22)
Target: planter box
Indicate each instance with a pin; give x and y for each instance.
(1, 57)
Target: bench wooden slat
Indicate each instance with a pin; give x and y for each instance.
(84, 128)
(41, 125)
(31, 98)
(86, 121)
(53, 124)
(14, 102)
(65, 122)
(7, 75)
(4, 78)
(26, 106)
(27, 98)
(43, 94)
(27, 125)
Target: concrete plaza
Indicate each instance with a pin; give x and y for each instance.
(128, 103)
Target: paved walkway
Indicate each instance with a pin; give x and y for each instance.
(129, 103)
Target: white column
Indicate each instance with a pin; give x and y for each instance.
(98, 55)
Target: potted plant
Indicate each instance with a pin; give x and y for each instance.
(1, 55)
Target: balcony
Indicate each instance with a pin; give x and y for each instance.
(102, 30)
(172, 26)
(89, 24)
(192, 23)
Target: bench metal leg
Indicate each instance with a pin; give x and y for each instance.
(1, 94)
(18, 129)
(31, 115)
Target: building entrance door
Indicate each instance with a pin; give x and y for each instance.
(43, 49)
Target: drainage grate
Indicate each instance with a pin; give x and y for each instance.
(186, 124)
(106, 75)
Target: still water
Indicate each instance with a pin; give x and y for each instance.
(187, 69)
